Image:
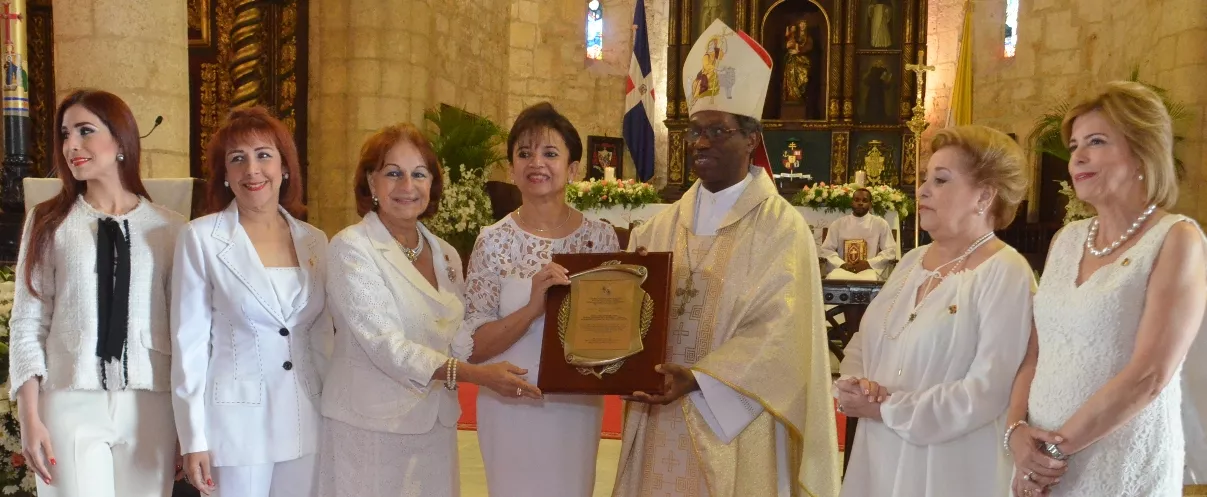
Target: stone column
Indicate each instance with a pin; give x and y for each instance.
(137, 50)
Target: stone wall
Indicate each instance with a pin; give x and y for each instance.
(1066, 50)
(137, 50)
(547, 62)
(378, 62)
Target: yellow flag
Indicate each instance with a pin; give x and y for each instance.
(961, 92)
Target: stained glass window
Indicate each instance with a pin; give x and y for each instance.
(1011, 27)
(594, 30)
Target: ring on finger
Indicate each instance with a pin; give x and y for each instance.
(1029, 477)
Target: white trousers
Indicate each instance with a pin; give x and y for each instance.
(109, 444)
(294, 478)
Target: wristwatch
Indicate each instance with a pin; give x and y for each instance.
(1053, 451)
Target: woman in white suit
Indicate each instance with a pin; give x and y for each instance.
(249, 320)
(89, 344)
(395, 293)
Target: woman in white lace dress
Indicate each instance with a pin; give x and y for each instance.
(545, 447)
(395, 292)
(1119, 304)
(930, 370)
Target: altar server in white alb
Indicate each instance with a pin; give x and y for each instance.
(89, 346)
(748, 411)
(249, 320)
(859, 245)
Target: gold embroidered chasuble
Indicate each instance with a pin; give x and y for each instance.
(752, 320)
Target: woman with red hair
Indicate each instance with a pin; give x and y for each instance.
(249, 320)
(89, 345)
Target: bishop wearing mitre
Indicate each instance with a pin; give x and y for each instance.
(748, 410)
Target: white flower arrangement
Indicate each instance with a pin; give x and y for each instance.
(596, 194)
(464, 210)
(1076, 209)
(831, 198)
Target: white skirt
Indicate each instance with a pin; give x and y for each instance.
(363, 463)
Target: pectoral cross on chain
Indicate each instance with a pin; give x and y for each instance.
(686, 294)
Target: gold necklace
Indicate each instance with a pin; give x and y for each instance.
(411, 254)
(538, 230)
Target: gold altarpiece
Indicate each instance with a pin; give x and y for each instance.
(244, 53)
(839, 96)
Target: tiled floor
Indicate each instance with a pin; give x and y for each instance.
(473, 477)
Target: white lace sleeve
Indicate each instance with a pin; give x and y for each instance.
(481, 291)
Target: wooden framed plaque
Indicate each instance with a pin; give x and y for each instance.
(605, 332)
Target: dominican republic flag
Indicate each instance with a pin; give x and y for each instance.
(639, 100)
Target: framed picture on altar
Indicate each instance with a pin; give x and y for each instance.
(879, 24)
(878, 89)
(604, 152)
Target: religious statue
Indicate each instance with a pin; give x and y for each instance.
(797, 45)
(876, 89)
(880, 20)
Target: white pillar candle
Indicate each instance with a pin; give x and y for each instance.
(609, 174)
(861, 178)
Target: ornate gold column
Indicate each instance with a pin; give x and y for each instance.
(247, 41)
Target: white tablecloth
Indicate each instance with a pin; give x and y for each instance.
(173, 193)
(817, 219)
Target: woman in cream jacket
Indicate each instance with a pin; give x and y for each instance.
(394, 290)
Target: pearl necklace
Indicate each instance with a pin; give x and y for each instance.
(412, 254)
(934, 277)
(1127, 235)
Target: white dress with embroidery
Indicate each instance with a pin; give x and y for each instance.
(531, 448)
(1087, 334)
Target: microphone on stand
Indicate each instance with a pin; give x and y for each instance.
(158, 121)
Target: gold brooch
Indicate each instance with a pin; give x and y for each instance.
(1127, 262)
(311, 261)
(951, 309)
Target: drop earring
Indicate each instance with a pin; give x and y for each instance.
(286, 176)
(226, 184)
(1140, 177)
(375, 201)
(121, 157)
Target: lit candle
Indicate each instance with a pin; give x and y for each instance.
(861, 178)
(609, 174)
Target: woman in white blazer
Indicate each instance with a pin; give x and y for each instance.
(89, 343)
(249, 320)
(394, 290)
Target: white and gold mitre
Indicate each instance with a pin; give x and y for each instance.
(728, 71)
